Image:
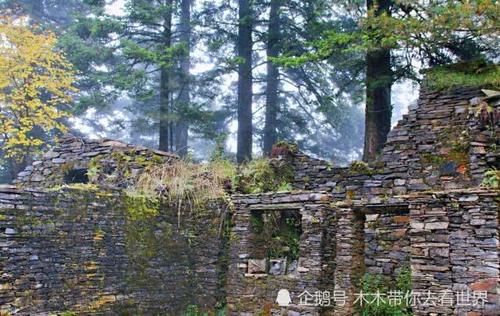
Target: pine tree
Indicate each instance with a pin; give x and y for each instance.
(272, 79)
(245, 91)
(378, 109)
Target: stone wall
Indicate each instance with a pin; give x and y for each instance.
(387, 242)
(455, 250)
(440, 144)
(95, 251)
(104, 162)
(338, 244)
(100, 251)
(254, 290)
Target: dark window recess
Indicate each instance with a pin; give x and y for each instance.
(76, 176)
(276, 234)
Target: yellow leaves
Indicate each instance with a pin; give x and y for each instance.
(36, 83)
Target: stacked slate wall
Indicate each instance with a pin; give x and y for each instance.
(455, 252)
(95, 252)
(387, 244)
(440, 144)
(252, 291)
(103, 162)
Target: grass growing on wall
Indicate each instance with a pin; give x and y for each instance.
(264, 175)
(185, 183)
(470, 74)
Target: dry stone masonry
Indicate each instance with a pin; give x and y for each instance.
(77, 160)
(419, 207)
(81, 251)
(254, 277)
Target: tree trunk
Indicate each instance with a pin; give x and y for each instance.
(272, 102)
(165, 143)
(245, 132)
(378, 93)
(181, 128)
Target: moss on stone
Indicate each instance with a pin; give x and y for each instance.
(360, 168)
(432, 159)
(453, 145)
(140, 206)
(491, 179)
(467, 74)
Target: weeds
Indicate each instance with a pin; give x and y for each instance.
(372, 284)
(185, 183)
(491, 179)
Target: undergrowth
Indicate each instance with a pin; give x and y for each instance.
(279, 233)
(378, 284)
(193, 310)
(264, 175)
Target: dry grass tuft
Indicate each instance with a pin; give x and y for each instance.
(184, 182)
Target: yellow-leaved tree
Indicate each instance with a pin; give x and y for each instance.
(36, 84)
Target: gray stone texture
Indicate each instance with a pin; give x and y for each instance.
(420, 205)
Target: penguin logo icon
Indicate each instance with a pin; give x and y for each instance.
(283, 298)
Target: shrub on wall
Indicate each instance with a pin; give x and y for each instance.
(491, 179)
(373, 284)
(264, 175)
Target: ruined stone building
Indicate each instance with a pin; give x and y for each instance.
(420, 207)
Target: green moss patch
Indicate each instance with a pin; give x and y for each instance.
(471, 74)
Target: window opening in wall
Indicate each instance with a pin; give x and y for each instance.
(276, 237)
(76, 176)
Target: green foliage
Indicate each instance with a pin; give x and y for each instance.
(377, 284)
(437, 32)
(476, 74)
(194, 310)
(219, 152)
(256, 176)
(264, 175)
(433, 159)
(491, 179)
(403, 280)
(120, 168)
(94, 169)
(284, 186)
(279, 233)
